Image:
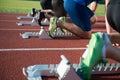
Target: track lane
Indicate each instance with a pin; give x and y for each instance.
(12, 62)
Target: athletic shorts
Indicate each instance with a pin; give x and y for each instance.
(113, 14)
(55, 5)
(46, 4)
(58, 8)
(79, 14)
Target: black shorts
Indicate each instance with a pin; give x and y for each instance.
(55, 5)
(58, 8)
(113, 14)
(46, 4)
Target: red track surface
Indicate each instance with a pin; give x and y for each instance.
(12, 62)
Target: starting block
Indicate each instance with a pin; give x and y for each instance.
(44, 34)
(37, 19)
(26, 17)
(36, 72)
(34, 22)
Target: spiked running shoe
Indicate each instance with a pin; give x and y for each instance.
(94, 56)
(52, 26)
(63, 19)
(41, 16)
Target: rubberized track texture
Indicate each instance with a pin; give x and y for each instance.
(16, 52)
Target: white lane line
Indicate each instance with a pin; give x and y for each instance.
(41, 49)
(8, 20)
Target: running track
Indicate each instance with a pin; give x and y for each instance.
(16, 53)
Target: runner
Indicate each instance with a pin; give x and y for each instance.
(81, 16)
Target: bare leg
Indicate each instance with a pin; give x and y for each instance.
(74, 29)
(108, 28)
(58, 8)
(113, 52)
(68, 25)
(93, 19)
(115, 37)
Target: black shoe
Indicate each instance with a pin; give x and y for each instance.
(41, 15)
(33, 12)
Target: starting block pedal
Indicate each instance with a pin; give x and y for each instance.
(60, 70)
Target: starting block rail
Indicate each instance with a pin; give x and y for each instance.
(44, 34)
(26, 17)
(37, 20)
(59, 70)
(34, 22)
(29, 34)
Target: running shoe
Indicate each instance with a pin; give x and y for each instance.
(52, 26)
(92, 56)
(41, 16)
(33, 12)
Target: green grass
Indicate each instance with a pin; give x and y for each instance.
(18, 6)
(100, 10)
(25, 6)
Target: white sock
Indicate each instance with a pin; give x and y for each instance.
(104, 51)
(106, 38)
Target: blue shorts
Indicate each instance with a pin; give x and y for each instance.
(79, 14)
